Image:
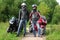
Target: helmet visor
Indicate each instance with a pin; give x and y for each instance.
(34, 7)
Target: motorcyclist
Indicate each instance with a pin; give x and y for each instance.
(34, 16)
(23, 16)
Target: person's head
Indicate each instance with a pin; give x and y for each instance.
(23, 6)
(34, 6)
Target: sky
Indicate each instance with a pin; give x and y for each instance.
(58, 1)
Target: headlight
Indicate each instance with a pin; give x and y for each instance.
(11, 22)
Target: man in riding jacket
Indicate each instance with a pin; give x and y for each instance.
(34, 16)
(23, 16)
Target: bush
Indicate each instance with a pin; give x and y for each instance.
(54, 34)
(56, 15)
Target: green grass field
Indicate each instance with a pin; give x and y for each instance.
(7, 36)
(53, 32)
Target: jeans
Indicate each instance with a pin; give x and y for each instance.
(39, 29)
(38, 26)
(22, 22)
(34, 23)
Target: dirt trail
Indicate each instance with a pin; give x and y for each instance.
(30, 36)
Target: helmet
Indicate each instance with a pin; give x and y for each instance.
(23, 4)
(34, 5)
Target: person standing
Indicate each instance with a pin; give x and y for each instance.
(34, 16)
(23, 16)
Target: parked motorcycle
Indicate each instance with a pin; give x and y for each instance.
(13, 25)
(43, 22)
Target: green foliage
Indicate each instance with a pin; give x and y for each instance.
(51, 4)
(30, 3)
(2, 6)
(10, 8)
(7, 36)
(56, 15)
(47, 8)
(54, 32)
(43, 8)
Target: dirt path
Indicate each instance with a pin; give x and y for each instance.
(30, 36)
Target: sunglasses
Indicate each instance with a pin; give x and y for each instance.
(23, 6)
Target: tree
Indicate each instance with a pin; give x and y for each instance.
(51, 4)
(43, 8)
(30, 3)
(10, 8)
(56, 15)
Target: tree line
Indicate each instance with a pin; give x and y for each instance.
(48, 8)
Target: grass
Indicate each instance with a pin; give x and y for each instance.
(7, 36)
(53, 32)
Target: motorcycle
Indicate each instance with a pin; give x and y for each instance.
(13, 25)
(42, 22)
